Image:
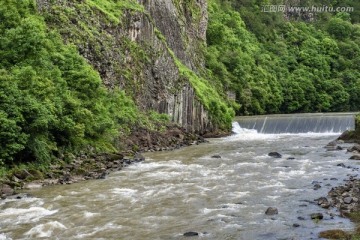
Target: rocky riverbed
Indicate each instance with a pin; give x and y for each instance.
(86, 166)
(346, 197)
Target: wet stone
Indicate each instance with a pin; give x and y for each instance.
(317, 216)
(271, 211)
(348, 200)
(355, 157)
(275, 155)
(191, 234)
(341, 165)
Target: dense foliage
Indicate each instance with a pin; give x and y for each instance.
(276, 65)
(51, 100)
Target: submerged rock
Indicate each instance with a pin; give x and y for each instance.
(216, 156)
(341, 165)
(271, 211)
(317, 186)
(316, 216)
(191, 234)
(275, 155)
(323, 202)
(355, 148)
(355, 157)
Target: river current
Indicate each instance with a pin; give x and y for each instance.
(187, 190)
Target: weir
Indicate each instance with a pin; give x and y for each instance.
(299, 123)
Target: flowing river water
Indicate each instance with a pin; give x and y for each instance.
(187, 190)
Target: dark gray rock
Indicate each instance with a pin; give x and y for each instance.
(296, 225)
(275, 155)
(316, 216)
(216, 156)
(191, 234)
(317, 186)
(290, 158)
(341, 165)
(271, 211)
(323, 202)
(355, 157)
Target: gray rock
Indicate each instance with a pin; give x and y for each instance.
(355, 157)
(216, 156)
(316, 216)
(275, 155)
(191, 234)
(296, 225)
(341, 165)
(355, 148)
(271, 211)
(348, 200)
(6, 190)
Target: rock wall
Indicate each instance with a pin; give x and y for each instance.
(138, 52)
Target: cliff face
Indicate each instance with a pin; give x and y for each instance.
(136, 45)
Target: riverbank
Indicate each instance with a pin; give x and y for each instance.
(346, 197)
(87, 165)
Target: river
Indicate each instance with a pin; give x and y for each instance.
(187, 190)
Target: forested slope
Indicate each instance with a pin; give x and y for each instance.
(281, 62)
(83, 76)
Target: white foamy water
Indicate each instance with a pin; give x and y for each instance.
(46, 230)
(188, 190)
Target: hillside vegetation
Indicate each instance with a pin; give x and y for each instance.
(279, 64)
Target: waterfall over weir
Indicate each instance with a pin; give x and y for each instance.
(299, 123)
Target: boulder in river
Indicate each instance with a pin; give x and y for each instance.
(271, 211)
(355, 157)
(317, 186)
(191, 234)
(216, 156)
(316, 216)
(341, 165)
(275, 155)
(323, 202)
(6, 190)
(355, 148)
